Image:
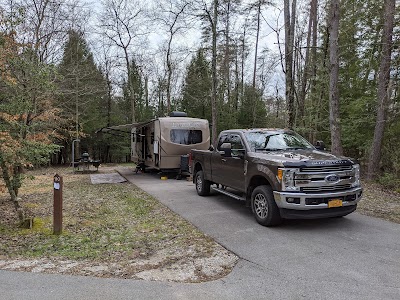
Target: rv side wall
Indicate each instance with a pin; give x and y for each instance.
(180, 135)
(160, 143)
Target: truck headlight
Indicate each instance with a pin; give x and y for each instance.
(356, 182)
(286, 177)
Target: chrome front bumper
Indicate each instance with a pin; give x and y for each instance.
(348, 197)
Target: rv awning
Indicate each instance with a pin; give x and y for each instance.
(125, 128)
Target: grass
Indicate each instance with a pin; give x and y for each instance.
(103, 222)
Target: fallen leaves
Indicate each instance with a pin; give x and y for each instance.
(109, 230)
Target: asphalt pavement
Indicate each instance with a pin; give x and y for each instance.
(355, 257)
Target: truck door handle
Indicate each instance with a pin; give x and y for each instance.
(223, 160)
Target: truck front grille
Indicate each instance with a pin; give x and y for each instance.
(320, 169)
(326, 188)
(315, 179)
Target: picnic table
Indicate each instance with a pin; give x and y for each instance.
(85, 162)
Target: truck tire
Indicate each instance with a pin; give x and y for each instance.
(202, 185)
(264, 207)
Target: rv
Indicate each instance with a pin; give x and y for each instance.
(164, 143)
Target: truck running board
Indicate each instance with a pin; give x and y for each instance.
(222, 191)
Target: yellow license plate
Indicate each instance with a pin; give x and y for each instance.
(335, 203)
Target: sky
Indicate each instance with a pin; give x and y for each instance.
(149, 50)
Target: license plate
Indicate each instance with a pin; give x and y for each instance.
(335, 203)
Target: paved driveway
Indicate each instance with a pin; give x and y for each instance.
(355, 257)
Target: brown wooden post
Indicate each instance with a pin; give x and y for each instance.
(57, 215)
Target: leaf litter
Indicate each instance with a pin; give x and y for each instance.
(109, 230)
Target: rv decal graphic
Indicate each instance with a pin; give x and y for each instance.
(186, 125)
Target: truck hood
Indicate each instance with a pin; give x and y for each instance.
(301, 158)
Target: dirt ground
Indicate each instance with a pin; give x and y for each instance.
(110, 230)
(380, 202)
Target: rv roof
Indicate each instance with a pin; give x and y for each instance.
(181, 119)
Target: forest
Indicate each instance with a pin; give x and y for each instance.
(328, 69)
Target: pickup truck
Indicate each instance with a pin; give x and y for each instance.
(279, 174)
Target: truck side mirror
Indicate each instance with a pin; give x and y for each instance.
(320, 145)
(226, 148)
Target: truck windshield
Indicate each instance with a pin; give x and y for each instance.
(267, 141)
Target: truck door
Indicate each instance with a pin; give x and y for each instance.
(230, 170)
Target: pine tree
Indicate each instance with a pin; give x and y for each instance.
(83, 91)
(196, 93)
(143, 111)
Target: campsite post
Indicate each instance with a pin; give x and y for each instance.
(57, 213)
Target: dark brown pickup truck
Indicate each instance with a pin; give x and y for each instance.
(279, 174)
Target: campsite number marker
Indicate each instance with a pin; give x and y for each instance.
(57, 215)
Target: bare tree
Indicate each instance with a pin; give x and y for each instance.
(307, 60)
(227, 56)
(120, 23)
(258, 5)
(383, 88)
(46, 24)
(173, 11)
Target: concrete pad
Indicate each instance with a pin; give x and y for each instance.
(106, 178)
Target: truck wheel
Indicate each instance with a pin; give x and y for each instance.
(202, 185)
(264, 207)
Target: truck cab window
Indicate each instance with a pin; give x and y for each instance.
(222, 139)
(234, 140)
(237, 145)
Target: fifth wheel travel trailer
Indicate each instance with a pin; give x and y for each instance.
(164, 143)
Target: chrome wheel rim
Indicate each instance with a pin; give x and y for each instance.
(261, 206)
(199, 182)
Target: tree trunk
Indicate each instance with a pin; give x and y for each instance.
(313, 85)
(306, 70)
(289, 17)
(131, 92)
(109, 96)
(237, 82)
(256, 49)
(242, 63)
(169, 73)
(227, 58)
(214, 75)
(12, 189)
(146, 90)
(383, 93)
(255, 62)
(334, 118)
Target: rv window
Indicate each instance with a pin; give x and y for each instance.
(186, 136)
